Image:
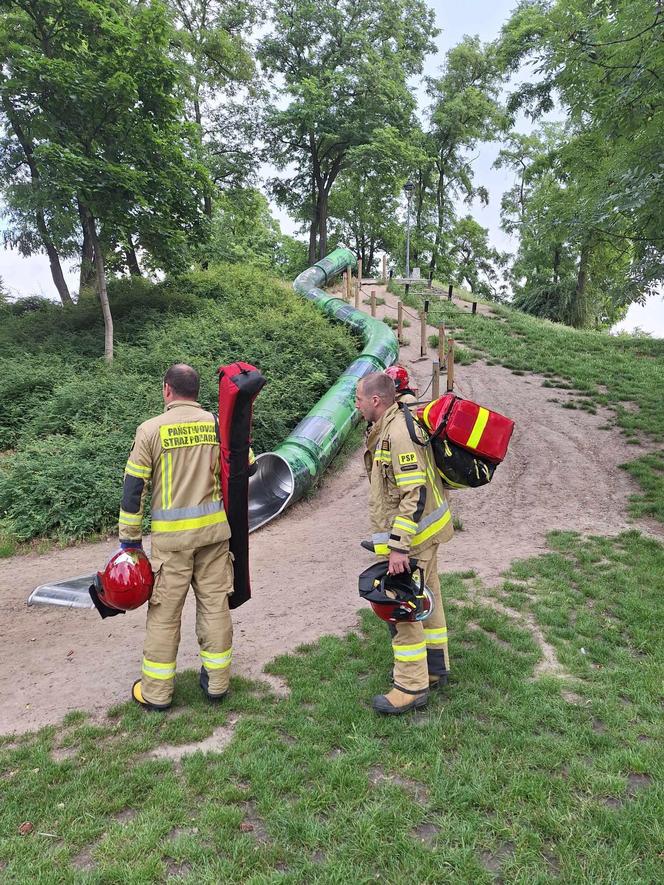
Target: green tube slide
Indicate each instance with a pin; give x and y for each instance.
(284, 475)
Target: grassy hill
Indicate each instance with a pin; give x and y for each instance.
(67, 420)
(624, 373)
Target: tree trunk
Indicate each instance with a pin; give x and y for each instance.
(102, 292)
(132, 258)
(42, 227)
(556, 265)
(579, 311)
(440, 202)
(321, 212)
(87, 272)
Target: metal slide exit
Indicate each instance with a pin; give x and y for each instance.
(283, 476)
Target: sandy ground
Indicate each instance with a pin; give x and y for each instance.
(561, 473)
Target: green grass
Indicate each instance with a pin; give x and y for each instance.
(67, 420)
(530, 779)
(623, 373)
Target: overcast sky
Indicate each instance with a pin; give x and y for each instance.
(27, 276)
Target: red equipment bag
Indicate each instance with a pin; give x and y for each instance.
(239, 385)
(465, 423)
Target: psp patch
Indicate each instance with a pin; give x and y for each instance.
(407, 458)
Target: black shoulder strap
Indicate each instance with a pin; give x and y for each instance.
(410, 424)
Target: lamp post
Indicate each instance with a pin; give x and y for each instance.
(408, 187)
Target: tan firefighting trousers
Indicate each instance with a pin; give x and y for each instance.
(209, 570)
(420, 647)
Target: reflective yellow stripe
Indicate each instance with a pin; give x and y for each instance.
(432, 529)
(416, 652)
(425, 413)
(169, 466)
(478, 427)
(183, 525)
(164, 481)
(432, 482)
(157, 670)
(412, 477)
(382, 549)
(212, 661)
(407, 525)
(137, 470)
(130, 518)
(436, 636)
(383, 456)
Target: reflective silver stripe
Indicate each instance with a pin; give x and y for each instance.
(410, 652)
(214, 661)
(432, 517)
(380, 538)
(187, 512)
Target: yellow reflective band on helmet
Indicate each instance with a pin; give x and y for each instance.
(214, 661)
(157, 670)
(435, 636)
(434, 525)
(412, 477)
(184, 525)
(425, 413)
(138, 470)
(130, 518)
(407, 653)
(478, 427)
(406, 525)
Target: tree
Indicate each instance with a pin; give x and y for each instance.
(364, 204)
(604, 64)
(341, 74)
(465, 110)
(475, 261)
(211, 46)
(90, 101)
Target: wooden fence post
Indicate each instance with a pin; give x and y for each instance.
(423, 334)
(385, 270)
(400, 322)
(435, 379)
(345, 288)
(450, 365)
(441, 345)
(349, 281)
(373, 302)
(474, 310)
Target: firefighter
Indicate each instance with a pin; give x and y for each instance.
(404, 392)
(178, 453)
(409, 517)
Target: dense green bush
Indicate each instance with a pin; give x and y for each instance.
(67, 419)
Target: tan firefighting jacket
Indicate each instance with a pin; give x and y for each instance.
(408, 507)
(178, 453)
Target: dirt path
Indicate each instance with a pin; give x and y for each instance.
(561, 473)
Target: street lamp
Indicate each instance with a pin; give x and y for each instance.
(408, 188)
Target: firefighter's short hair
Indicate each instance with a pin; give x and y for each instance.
(183, 380)
(380, 385)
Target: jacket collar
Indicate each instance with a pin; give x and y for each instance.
(382, 424)
(182, 402)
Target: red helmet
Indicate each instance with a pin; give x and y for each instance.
(127, 580)
(403, 597)
(400, 377)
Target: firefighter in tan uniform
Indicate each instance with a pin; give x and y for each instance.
(178, 453)
(410, 517)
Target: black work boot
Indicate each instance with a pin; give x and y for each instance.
(396, 702)
(204, 680)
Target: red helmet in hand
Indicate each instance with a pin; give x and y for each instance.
(127, 580)
(400, 377)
